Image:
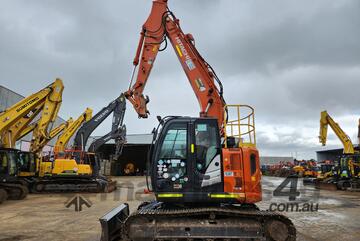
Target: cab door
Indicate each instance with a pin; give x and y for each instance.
(172, 163)
(207, 174)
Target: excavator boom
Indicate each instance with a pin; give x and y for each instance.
(49, 113)
(326, 121)
(161, 26)
(64, 138)
(19, 116)
(118, 129)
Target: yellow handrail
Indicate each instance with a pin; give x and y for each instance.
(242, 128)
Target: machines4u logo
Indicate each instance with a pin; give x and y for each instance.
(78, 201)
(299, 200)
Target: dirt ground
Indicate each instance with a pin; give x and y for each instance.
(45, 217)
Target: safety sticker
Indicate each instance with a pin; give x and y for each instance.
(229, 174)
(190, 64)
(200, 85)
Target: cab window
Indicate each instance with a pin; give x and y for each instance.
(174, 145)
(3, 163)
(206, 142)
(172, 163)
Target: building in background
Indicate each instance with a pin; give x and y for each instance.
(9, 98)
(331, 154)
(135, 153)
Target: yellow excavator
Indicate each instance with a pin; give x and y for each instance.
(33, 164)
(15, 122)
(69, 170)
(347, 172)
(63, 164)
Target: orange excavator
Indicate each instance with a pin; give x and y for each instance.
(204, 172)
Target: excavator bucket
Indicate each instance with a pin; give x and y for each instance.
(112, 223)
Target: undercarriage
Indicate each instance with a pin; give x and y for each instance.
(13, 191)
(71, 184)
(157, 221)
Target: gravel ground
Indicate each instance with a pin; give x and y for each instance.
(45, 217)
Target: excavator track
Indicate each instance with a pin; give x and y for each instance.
(59, 185)
(207, 223)
(3, 195)
(15, 191)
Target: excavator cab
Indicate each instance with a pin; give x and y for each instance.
(9, 169)
(9, 162)
(27, 164)
(186, 162)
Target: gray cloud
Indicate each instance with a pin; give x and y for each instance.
(289, 59)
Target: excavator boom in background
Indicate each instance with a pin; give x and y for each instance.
(326, 121)
(65, 137)
(17, 117)
(204, 172)
(118, 129)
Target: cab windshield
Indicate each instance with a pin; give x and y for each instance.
(8, 163)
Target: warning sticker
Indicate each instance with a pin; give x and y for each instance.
(200, 85)
(229, 174)
(190, 64)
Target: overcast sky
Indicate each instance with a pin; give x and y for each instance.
(289, 59)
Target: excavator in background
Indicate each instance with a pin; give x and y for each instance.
(307, 169)
(40, 166)
(204, 172)
(15, 122)
(327, 168)
(346, 172)
(62, 172)
(117, 133)
(70, 170)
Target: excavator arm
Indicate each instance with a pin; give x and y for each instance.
(53, 133)
(118, 130)
(161, 26)
(64, 138)
(20, 129)
(57, 130)
(14, 120)
(27, 130)
(326, 121)
(48, 115)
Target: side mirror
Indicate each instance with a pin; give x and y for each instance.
(158, 118)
